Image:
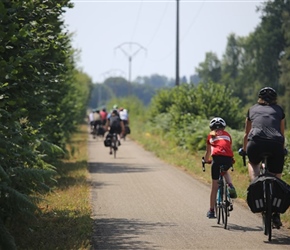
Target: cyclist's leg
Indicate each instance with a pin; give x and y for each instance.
(276, 159)
(213, 193)
(275, 166)
(214, 188)
(254, 151)
(110, 134)
(119, 130)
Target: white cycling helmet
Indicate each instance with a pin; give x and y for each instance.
(216, 123)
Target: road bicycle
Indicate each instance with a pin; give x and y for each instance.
(114, 144)
(224, 203)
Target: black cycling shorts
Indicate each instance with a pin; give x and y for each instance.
(116, 130)
(255, 149)
(217, 161)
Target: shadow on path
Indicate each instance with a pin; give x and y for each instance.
(119, 234)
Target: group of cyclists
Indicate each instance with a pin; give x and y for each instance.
(264, 132)
(115, 121)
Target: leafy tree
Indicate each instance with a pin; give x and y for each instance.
(210, 69)
(156, 81)
(42, 100)
(285, 64)
(270, 42)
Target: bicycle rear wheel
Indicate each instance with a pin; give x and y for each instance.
(269, 211)
(267, 214)
(115, 145)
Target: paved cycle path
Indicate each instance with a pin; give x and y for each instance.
(140, 202)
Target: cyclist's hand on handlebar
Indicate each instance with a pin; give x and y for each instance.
(206, 161)
(242, 152)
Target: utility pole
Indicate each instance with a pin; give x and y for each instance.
(177, 44)
(131, 53)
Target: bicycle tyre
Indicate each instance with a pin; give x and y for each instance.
(115, 148)
(264, 223)
(218, 212)
(225, 204)
(219, 206)
(268, 217)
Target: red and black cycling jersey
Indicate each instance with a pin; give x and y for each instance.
(221, 144)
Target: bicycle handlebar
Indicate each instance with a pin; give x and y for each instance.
(243, 154)
(203, 163)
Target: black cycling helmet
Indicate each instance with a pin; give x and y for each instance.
(217, 123)
(115, 111)
(268, 94)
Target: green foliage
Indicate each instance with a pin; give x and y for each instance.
(184, 113)
(161, 102)
(210, 69)
(42, 99)
(217, 100)
(133, 105)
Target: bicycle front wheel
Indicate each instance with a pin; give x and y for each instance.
(226, 204)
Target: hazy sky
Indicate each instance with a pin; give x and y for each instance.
(108, 33)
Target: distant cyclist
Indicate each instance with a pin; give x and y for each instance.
(219, 147)
(115, 125)
(124, 116)
(264, 133)
(103, 114)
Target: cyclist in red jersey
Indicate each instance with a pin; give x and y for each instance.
(219, 147)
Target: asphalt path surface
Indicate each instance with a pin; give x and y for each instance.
(140, 202)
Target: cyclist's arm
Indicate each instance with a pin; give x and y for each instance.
(107, 125)
(282, 128)
(248, 126)
(207, 153)
(123, 127)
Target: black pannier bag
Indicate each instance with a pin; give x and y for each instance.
(281, 194)
(127, 130)
(107, 141)
(101, 131)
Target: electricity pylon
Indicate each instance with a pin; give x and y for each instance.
(131, 53)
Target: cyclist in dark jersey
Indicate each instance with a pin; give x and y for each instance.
(115, 125)
(264, 132)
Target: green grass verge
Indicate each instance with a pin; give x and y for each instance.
(65, 221)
